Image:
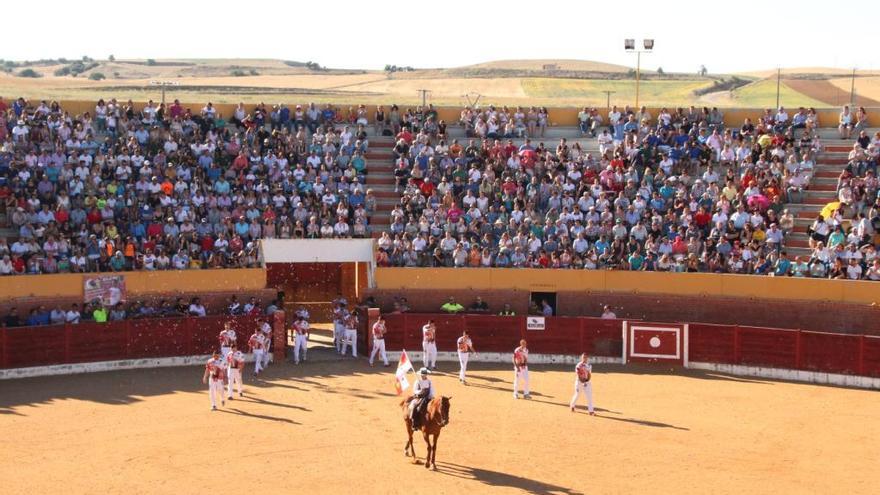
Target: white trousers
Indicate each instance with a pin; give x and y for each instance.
(300, 342)
(215, 390)
(338, 336)
(267, 353)
(234, 379)
(258, 360)
(521, 376)
(224, 351)
(378, 348)
(351, 337)
(429, 354)
(462, 361)
(587, 389)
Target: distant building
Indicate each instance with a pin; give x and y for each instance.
(550, 67)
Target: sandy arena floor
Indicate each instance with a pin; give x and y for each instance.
(333, 426)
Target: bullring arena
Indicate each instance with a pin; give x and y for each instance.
(334, 425)
(719, 277)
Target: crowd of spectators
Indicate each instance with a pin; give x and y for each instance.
(98, 312)
(172, 188)
(162, 187)
(673, 192)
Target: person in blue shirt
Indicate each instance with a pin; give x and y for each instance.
(284, 117)
(782, 266)
(636, 261)
(242, 227)
(618, 130)
(328, 114)
(356, 198)
(137, 230)
(601, 246)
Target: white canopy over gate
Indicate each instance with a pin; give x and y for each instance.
(322, 251)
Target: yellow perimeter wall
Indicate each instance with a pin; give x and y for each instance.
(700, 284)
(563, 116)
(136, 283)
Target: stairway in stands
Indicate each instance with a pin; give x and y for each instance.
(380, 179)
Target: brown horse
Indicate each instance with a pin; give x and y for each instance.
(436, 417)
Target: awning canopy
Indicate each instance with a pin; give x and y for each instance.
(321, 251)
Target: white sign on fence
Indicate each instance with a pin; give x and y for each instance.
(534, 323)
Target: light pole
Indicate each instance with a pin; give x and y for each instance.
(778, 82)
(424, 93)
(608, 99)
(852, 90)
(629, 45)
(163, 84)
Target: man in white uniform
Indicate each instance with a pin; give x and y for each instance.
(235, 364)
(339, 316)
(257, 344)
(521, 370)
(300, 338)
(351, 335)
(583, 373)
(227, 339)
(378, 332)
(465, 347)
(429, 345)
(423, 392)
(214, 378)
(266, 328)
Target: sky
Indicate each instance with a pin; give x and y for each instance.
(746, 35)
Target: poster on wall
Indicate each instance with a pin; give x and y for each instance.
(534, 323)
(108, 289)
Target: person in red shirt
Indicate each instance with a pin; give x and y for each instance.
(154, 230)
(405, 135)
(61, 216)
(509, 149)
(93, 216)
(18, 264)
(543, 260)
(427, 188)
(702, 218)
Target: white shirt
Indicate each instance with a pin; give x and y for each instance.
(428, 334)
(424, 384)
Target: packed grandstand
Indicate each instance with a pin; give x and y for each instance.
(126, 187)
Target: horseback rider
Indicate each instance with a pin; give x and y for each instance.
(423, 392)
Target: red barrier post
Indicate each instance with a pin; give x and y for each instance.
(736, 345)
(581, 335)
(861, 366)
(67, 336)
(189, 327)
(5, 357)
(405, 329)
(279, 337)
(127, 329)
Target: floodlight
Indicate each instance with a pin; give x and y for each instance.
(649, 44)
(629, 44)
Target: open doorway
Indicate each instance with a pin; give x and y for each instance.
(537, 302)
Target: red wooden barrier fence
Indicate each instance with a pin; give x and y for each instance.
(130, 339)
(562, 335)
(723, 344)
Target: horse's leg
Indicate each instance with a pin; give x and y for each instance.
(406, 446)
(428, 443)
(411, 444)
(434, 451)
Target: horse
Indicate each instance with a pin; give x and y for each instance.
(436, 417)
